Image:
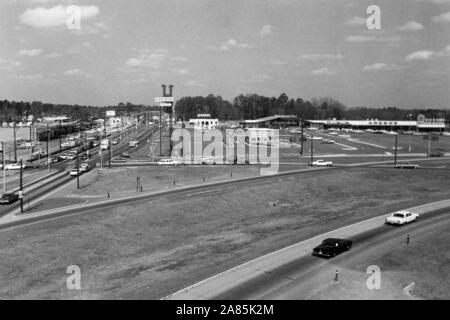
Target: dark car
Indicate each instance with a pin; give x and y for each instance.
(332, 247)
(437, 153)
(118, 160)
(125, 155)
(8, 198)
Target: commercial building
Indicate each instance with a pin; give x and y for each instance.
(272, 122)
(422, 124)
(203, 122)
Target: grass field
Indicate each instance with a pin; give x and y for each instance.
(150, 249)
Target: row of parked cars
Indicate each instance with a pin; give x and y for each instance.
(331, 247)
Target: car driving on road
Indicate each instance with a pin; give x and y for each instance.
(407, 165)
(169, 162)
(331, 247)
(400, 218)
(322, 163)
(74, 172)
(8, 198)
(14, 166)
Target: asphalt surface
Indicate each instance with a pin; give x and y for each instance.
(37, 192)
(301, 278)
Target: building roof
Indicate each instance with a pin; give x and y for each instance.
(269, 118)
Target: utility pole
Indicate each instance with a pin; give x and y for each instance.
(301, 139)
(21, 187)
(395, 154)
(48, 151)
(110, 154)
(78, 173)
(312, 150)
(160, 127)
(4, 166)
(60, 136)
(429, 145)
(15, 146)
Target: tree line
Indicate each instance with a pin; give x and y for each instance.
(253, 106)
(249, 106)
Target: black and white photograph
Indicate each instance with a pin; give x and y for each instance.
(223, 156)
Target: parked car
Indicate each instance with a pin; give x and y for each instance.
(74, 172)
(407, 165)
(327, 141)
(322, 163)
(8, 198)
(208, 161)
(14, 166)
(437, 153)
(400, 218)
(169, 162)
(85, 167)
(63, 156)
(71, 156)
(115, 141)
(331, 247)
(125, 155)
(118, 160)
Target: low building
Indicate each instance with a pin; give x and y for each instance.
(203, 122)
(272, 122)
(421, 124)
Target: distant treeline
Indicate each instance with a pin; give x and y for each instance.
(254, 106)
(250, 106)
(18, 111)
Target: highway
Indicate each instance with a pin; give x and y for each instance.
(310, 276)
(36, 190)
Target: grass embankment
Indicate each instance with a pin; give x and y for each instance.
(150, 249)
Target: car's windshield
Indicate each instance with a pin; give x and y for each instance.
(398, 215)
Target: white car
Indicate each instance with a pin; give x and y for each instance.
(71, 156)
(208, 161)
(74, 172)
(14, 166)
(322, 163)
(84, 167)
(400, 218)
(169, 162)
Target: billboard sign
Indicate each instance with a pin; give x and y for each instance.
(110, 113)
(164, 99)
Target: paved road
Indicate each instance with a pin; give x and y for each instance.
(312, 276)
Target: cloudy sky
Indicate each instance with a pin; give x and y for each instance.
(125, 49)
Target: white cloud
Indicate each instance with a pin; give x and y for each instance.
(420, 55)
(29, 76)
(73, 72)
(148, 59)
(266, 30)
(181, 72)
(321, 56)
(411, 26)
(442, 18)
(9, 63)
(30, 52)
(54, 17)
(232, 44)
(360, 38)
(378, 38)
(325, 71)
(380, 67)
(356, 21)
